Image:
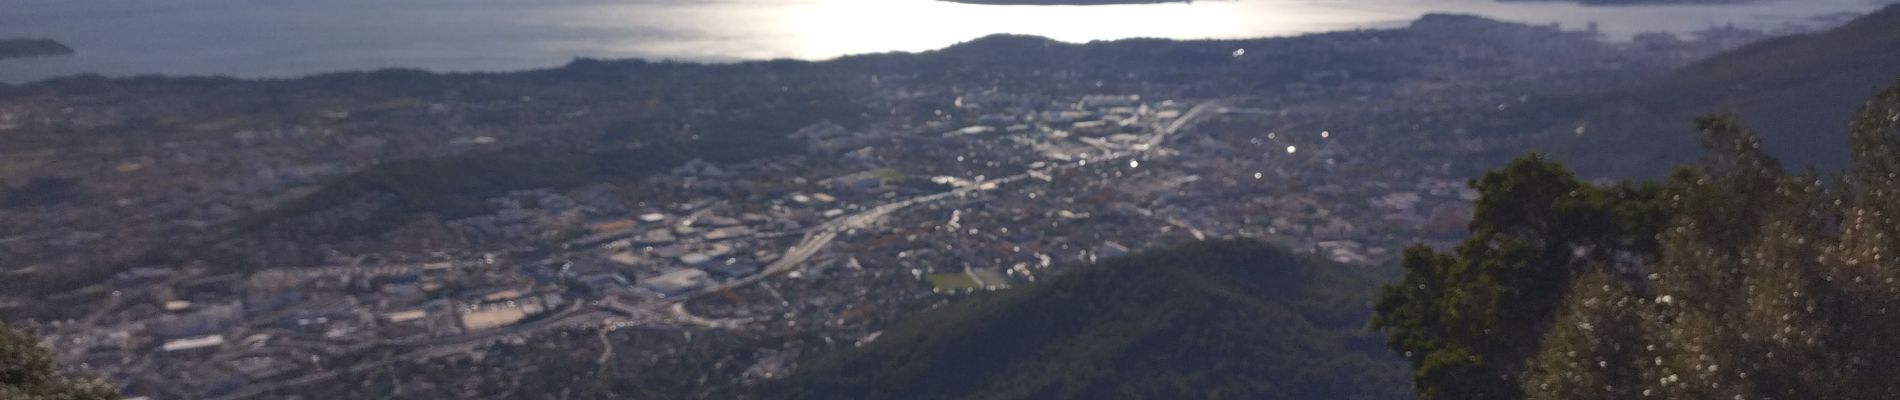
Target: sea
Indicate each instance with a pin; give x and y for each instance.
(288, 38)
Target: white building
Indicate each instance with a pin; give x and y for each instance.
(193, 343)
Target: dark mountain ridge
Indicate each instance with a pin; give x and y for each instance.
(1794, 90)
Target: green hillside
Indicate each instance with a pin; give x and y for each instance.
(1794, 90)
(1212, 320)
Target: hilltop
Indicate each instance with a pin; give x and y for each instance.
(1220, 319)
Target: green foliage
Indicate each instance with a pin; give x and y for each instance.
(951, 281)
(1761, 284)
(1468, 319)
(1224, 319)
(1770, 284)
(1599, 326)
(27, 373)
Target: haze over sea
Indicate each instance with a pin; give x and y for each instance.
(280, 38)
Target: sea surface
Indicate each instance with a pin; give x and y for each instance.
(283, 38)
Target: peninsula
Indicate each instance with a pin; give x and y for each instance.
(31, 47)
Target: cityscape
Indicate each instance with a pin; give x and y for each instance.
(215, 238)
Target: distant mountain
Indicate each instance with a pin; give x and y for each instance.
(1223, 319)
(1796, 90)
(31, 47)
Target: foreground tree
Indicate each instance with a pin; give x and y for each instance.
(1468, 320)
(27, 373)
(1771, 285)
(1756, 283)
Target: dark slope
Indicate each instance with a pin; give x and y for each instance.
(1224, 319)
(1795, 90)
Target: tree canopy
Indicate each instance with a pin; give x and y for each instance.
(1467, 318)
(27, 373)
(1733, 279)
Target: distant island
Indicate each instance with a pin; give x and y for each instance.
(1062, 2)
(32, 47)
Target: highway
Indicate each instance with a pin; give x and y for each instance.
(822, 236)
